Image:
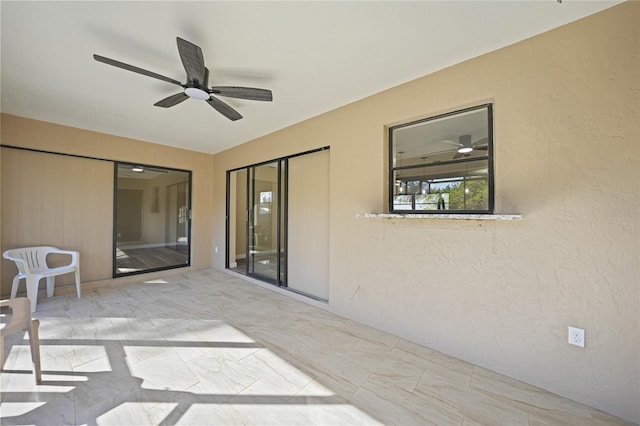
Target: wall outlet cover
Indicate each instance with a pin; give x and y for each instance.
(576, 336)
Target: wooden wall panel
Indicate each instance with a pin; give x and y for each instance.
(57, 200)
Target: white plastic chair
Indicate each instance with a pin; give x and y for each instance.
(21, 321)
(32, 266)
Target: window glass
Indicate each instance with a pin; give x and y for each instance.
(443, 164)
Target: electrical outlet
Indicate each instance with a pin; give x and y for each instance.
(576, 336)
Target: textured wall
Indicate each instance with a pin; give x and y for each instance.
(501, 294)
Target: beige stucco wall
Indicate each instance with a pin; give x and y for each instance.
(501, 294)
(79, 214)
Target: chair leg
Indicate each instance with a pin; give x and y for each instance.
(32, 291)
(78, 282)
(34, 343)
(51, 283)
(14, 286)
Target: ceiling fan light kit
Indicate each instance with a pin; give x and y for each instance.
(195, 93)
(196, 84)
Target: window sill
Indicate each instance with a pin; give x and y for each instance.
(440, 216)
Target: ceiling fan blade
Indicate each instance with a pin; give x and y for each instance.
(481, 147)
(134, 69)
(482, 143)
(249, 93)
(224, 109)
(172, 100)
(193, 61)
(458, 155)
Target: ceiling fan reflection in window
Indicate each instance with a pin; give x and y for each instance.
(464, 146)
(197, 81)
(141, 169)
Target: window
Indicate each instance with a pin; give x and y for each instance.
(443, 164)
(152, 219)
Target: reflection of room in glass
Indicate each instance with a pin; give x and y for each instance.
(151, 219)
(443, 163)
(265, 202)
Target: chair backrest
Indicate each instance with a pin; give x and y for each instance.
(29, 258)
(20, 316)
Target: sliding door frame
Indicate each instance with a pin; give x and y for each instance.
(282, 200)
(115, 273)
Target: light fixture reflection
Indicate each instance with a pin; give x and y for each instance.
(465, 144)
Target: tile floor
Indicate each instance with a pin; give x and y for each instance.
(209, 348)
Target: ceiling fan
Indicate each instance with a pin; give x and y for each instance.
(197, 81)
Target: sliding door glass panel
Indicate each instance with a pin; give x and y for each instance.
(238, 195)
(152, 219)
(263, 222)
(283, 215)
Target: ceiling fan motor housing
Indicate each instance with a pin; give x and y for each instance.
(465, 144)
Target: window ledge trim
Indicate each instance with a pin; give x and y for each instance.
(440, 216)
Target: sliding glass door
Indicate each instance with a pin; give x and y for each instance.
(274, 209)
(264, 248)
(258, 245)
(152, 220)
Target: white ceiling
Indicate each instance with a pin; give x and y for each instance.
(314, 56)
